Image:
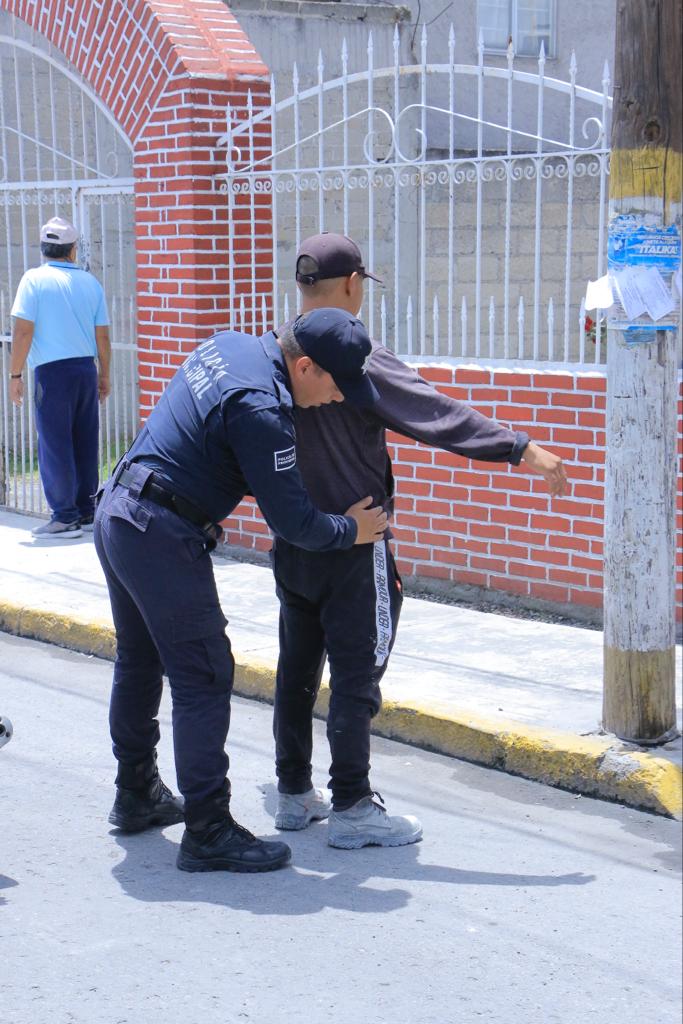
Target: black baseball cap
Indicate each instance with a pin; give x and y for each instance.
(327, 255)
(340, 345)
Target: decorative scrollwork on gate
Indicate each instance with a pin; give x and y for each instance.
(35, 197)
(392, 156)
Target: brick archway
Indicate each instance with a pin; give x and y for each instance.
(167, 72)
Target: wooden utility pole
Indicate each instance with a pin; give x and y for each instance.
(645, 181)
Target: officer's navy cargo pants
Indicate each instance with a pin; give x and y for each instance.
(67, 420)
(346, 604)
(167, 619)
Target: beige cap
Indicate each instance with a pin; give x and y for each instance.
(59, 232)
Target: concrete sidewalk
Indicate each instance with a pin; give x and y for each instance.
(516, 694)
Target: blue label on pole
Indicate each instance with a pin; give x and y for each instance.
(632, 244)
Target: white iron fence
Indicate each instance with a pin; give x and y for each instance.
(485, 228)
(61, 152)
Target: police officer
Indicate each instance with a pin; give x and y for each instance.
(222, 429)
(347, 603)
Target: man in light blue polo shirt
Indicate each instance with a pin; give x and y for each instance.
(61, 326)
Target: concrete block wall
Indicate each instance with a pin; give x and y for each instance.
(284, 31)
(403, 278)
(379, 214)
(487, 526)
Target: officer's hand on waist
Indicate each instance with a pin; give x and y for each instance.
(370, 522)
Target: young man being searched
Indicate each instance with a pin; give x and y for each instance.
(346, 604)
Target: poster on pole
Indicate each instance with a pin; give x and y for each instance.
(644, 263)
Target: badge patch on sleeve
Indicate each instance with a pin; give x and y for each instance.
(285, 459)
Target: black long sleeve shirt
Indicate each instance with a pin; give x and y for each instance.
(342, 452)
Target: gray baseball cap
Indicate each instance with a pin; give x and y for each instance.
(328, 255)
(58, 231)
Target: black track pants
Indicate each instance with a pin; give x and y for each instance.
(345, 604)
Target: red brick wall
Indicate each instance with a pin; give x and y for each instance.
(494, 526)
(182, 229)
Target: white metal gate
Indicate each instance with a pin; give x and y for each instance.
(477, 192)
(61, 152)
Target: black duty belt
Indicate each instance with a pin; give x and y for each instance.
(175, 502)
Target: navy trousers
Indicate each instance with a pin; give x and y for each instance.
(345, 604)
(67, 420)
(168, 619)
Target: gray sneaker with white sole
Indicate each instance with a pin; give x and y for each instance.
(368, 824)
(54, 530)
(297, 810)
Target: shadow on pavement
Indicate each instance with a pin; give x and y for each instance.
(46, 542)
(319, 877)
(6, 883)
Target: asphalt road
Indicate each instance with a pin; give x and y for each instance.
(522, 903)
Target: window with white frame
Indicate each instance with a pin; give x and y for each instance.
(527, 23)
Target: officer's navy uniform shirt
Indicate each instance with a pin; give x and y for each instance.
(342, 451)
(224, 428)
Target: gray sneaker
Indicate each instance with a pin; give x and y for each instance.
(368, 824)
(54, 530)
(297, 810)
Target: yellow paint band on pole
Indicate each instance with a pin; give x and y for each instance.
(651, 171)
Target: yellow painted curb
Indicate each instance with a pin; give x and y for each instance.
(85, 635)
(592, 765)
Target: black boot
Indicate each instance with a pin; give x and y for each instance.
(142, 800)
(226, 846)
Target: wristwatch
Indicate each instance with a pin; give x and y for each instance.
(15, 376)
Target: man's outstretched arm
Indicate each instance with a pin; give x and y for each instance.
(411, 406)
